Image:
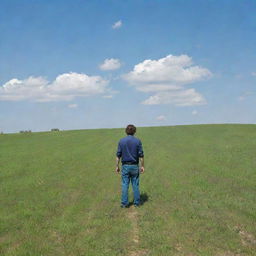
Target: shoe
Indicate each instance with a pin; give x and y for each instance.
(123, 206)
(136, 205)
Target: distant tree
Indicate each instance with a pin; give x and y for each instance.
(55, 130)
(2, 132)
(25, 131)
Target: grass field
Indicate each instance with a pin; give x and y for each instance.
(59, 194)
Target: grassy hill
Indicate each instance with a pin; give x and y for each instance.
(59, 194)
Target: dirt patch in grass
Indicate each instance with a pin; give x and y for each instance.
(247, 239)
(228, 254)
(56, 236)
(133, 217)
(139, 253)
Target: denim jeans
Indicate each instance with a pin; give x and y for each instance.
(130, 173)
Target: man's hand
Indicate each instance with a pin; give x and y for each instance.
(142, 169)
(117, 170)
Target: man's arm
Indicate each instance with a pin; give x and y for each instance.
(141, 157)
(142, 168)
(117, 164)
(118, 157)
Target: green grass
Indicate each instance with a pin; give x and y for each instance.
(59, 194)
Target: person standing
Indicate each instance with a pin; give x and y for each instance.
(130, 152)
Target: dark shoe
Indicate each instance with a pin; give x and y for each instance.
(124, 206)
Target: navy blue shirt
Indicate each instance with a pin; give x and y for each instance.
(130, 149)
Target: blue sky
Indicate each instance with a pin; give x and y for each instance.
(102, 64)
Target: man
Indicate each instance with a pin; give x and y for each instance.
(131, 152)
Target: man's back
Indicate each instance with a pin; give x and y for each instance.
(130, 149)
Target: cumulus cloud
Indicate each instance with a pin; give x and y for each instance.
(65, 87)
(194, 112)
(117, 25)
(253, 73)
(161, 118)
(166, 77)
(171, 69)
(110, 64)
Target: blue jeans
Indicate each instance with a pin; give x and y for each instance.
(130, 173)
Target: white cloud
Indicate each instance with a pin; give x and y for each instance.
(253, 73)
(117, 25)
(65, 87)
(73, 105)
(107, 96)
(194, 112)
(166, 77)
(157, 87)
(110, 64)
(188, 97)
(175, 70)
(161, 118)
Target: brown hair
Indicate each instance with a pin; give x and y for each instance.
(130, 129)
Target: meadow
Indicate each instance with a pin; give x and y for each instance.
(60, 195)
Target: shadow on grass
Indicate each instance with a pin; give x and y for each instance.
(143, 199)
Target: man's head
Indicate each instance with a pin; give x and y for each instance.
(130, 129)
